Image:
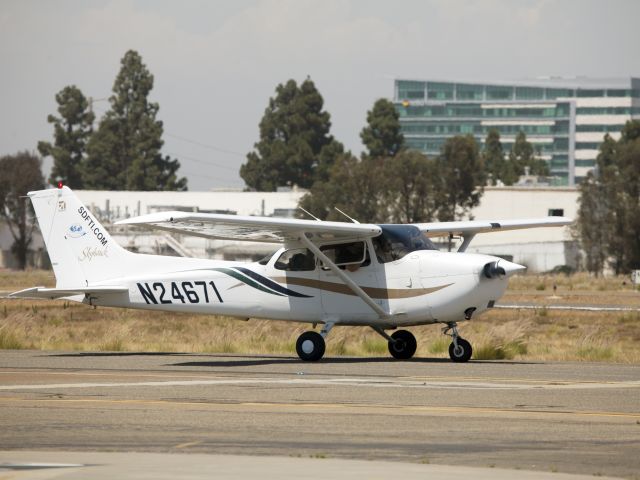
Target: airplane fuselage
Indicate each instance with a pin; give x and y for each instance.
(422, 287)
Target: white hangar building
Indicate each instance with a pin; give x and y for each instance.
(539, 249)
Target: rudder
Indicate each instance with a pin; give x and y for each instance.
(81, 251)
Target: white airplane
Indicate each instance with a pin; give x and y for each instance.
(329, 273)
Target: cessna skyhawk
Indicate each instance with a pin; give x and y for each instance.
(328, 273)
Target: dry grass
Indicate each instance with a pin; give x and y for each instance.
(12, 280)
(500, 334)
(571, 283)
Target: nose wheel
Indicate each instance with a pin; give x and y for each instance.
(460, 350)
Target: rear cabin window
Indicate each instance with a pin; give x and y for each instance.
(296, 260)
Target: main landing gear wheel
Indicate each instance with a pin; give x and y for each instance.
(462, 352)
(310, 346)
(403, 345)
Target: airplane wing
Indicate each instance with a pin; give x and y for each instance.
(255, 229)
(472, 227)
(53, 293)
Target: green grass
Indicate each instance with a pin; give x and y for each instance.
(374, 346)
(506, 351)
(9, 341)
(595, 354)
(113, 345)
(439, 345)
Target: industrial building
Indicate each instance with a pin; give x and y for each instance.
(564, 118)
(538, 249)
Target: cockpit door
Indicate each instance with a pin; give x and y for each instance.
(339, 302)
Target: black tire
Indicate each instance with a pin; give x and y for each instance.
(310, 346)
(463, 353)
(404, 346)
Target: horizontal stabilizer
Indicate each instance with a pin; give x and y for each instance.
(53, 293)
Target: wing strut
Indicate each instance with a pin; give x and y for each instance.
(466, 240)
(345, 278)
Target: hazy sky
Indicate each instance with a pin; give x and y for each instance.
(216, 63)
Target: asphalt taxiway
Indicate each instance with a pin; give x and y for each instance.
(578, 418)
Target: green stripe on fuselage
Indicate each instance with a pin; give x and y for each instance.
(244, 279)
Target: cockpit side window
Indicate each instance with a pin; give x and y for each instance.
(296, 260)
(345, 253)
(396, 241)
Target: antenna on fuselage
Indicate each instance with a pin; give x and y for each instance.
(352, 219)
(311, 215)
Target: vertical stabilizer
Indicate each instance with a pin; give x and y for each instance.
(81, 251)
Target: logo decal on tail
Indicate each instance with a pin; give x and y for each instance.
(76, 231)
(89, 253)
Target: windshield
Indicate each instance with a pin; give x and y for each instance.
(396, 241)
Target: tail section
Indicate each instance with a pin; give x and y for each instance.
(81, 251)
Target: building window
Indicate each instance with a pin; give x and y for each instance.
(529, 93)
(553, 93)
(410, 94)
(499, 93)
(585, 163)
(587, 145)
(440, 91)
(590, 93)
(556, 212)
(561, 143)
(469, 92)
(557, 163)
(561, 126)
(600, 128)
(618, 93)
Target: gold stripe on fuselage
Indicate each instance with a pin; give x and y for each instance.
(373, 292)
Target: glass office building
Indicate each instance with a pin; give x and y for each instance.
(565, 119)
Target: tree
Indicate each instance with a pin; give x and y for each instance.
(71, 131)
(382, 135)
(400, 189)
(524, 157)
(125, 152)
(354, 186)
(462, 171)
(295, 147)
(608, 223)
(497, 167)
(591, 227)
(21, 173)
(628, 195)
(414, 187)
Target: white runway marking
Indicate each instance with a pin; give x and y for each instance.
(568, 307)
(351, 382)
